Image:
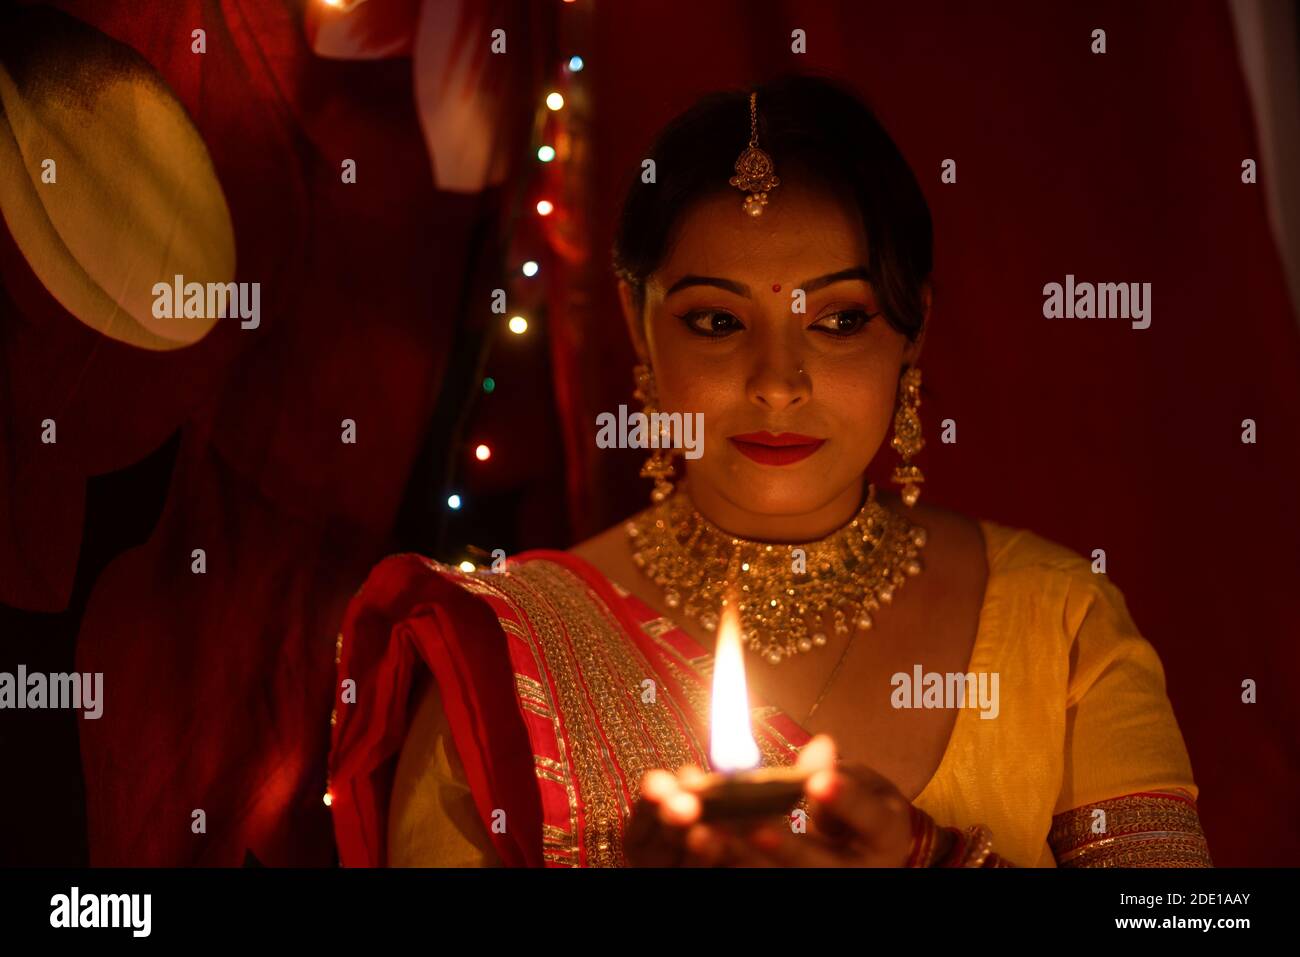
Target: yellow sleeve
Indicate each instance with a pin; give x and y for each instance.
(432, 818)
(1121, 736)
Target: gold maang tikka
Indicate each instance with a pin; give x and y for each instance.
(754, 172)
(907, 439)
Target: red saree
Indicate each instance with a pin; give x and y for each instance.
(561, 690)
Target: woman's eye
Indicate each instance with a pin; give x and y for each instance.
(712, 323)
(844, 323)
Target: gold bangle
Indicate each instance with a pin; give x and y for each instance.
(924, 832)
(979, 848)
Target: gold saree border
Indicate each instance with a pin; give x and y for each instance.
(1145, 829)
(592, 738)
(578, 683)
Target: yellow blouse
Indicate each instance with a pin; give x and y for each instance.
(1083, 718)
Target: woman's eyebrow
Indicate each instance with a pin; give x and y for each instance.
(853, 272)
(740, 289)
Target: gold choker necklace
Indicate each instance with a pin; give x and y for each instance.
(838, 580)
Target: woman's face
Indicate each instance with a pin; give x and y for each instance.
(724, 339)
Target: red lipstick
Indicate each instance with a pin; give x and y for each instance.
(780, 448)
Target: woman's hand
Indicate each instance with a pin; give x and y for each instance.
(656, 834)
(857, 819)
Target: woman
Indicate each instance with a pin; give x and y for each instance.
(555, 710)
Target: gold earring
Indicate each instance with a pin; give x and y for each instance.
(907, 439)
(659, 466)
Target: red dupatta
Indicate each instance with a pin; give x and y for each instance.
(560, 690)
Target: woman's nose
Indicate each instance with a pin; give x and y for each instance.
(779, 381)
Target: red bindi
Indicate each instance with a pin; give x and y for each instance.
(776, 287)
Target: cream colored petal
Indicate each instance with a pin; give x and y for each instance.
(136, 200)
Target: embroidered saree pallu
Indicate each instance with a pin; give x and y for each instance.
(558, 698)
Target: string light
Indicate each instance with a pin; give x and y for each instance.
(328, 798)
(517, 324)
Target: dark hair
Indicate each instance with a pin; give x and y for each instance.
(816, 131)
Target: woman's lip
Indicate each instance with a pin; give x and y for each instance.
(776, 438)
(776, 454)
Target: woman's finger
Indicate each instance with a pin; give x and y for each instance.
(873, 812)
(709, 845)
(818, 754)
(655, 835)
(704, 845)
(680, 809)
(648, 842)
(865, 776)
(783, 848)
(658, 784)
(691, 776)
(731, 848)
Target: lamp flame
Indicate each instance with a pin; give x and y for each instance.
(731, 744)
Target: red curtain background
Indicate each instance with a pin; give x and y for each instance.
(1119, 167)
